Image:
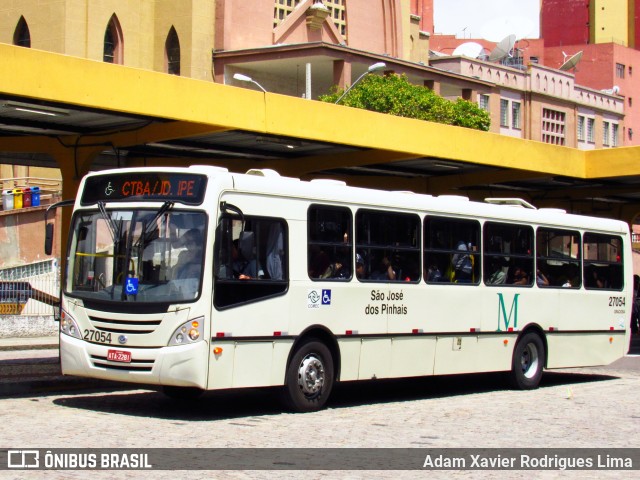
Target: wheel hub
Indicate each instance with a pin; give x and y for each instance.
(311, 375)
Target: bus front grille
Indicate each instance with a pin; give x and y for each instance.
(125, 326)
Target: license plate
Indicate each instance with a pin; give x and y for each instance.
(119, 356)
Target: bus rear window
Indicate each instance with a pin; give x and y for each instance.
(603, 262)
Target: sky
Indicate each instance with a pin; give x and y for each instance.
(484, 18)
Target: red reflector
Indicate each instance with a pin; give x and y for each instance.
(551, 329)
(510, 329)
(277, 334)
(415, 330)
(219, 334)
(472, 329)
(610, 328)
(349, 332)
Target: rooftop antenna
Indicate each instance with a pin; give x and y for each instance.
(571, 62)
(503, 48)
(468, 49)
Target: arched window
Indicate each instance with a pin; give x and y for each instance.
(113, 42)
(172, 52)
(21, 36)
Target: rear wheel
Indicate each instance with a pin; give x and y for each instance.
(309, 378)
(528, 362)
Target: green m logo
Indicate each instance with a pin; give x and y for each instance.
(502, 313)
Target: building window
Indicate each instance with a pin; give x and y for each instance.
(282, 10)
(534, 59)
(553, 126)
(614, 134)
(21, 36)
(113, 42)
(605, 133)
(172, 52)
(515, 115)
(619, 70)
(590, 130)
(580, 128)
(338, 14)
(483, 102)
(504, 112)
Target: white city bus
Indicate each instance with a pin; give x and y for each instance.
(199, 279)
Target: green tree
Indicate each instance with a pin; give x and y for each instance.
(395, 95)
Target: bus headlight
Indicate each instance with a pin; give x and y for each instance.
(68, 325)
(188, 332)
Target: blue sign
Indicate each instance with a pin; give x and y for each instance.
(326, 297)
(131, 286)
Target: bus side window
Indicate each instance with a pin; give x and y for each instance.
(451, 250)
(508, 254)
(603, 267)
(329, 243)
(389, 245)
(558, 258)
(252, 260)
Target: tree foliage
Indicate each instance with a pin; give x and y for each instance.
(395, 95)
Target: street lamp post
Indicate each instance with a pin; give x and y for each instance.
(373, 68)
(244, 78)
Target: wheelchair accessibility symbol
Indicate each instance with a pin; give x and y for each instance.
(326, 297)
(131, 286)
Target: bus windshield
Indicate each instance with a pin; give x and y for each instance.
(136, 255)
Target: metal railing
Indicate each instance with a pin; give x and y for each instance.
(43, 279)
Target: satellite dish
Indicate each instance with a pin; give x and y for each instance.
(572, 62)
(469, 49)
(503, 49)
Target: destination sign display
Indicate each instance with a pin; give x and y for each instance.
(186, 188)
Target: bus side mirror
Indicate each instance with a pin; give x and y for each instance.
(48, 239)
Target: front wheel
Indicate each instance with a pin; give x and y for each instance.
(309, 378)
(528, 362)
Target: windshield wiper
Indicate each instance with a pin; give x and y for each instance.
(109, 220)
(150, 226)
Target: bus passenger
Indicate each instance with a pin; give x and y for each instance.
(499, 275)
(541, 279)
(190, 260)
(360, 271)
(243, 269)
(461, 263)
(385, 272)
(520, 277)
(434, 274)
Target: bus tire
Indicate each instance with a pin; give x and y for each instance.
(528, 362)
(309, 378)
(182, 393)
